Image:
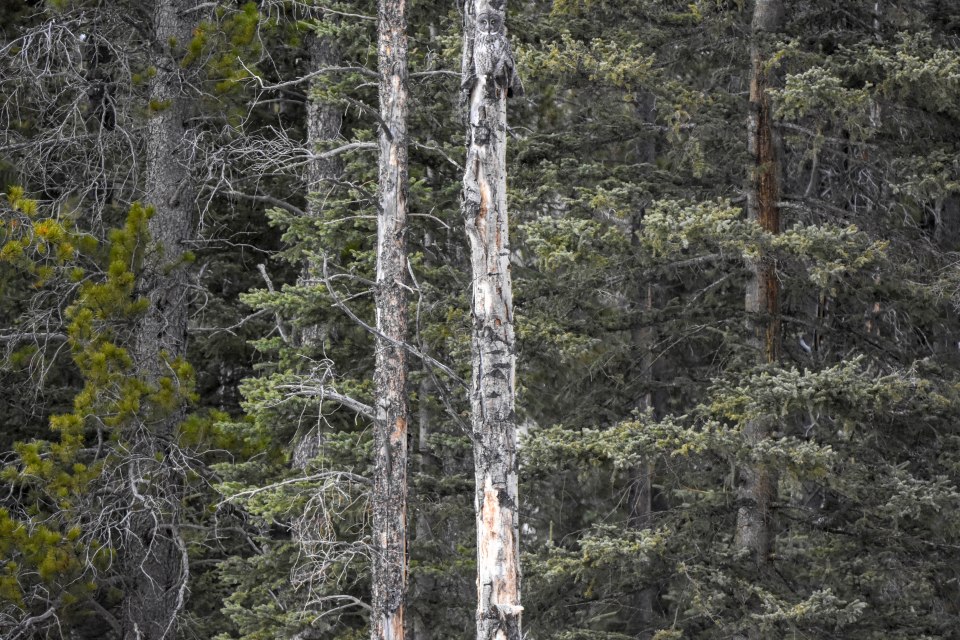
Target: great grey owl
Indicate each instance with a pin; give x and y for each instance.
(492, 54)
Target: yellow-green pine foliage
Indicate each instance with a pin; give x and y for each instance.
(53, 541)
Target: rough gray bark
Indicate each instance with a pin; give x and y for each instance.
(758, 482)
(392, 411)
(153, 552)
(324, 121)
(488, 74)
(323, 125)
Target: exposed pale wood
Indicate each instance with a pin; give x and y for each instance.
(492, 391)
(391, 404)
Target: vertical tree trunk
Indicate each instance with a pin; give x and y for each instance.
(154, 554)
(392, 411)
(419, 628)
(641, 487)
(758, 482)
(488, 75)
(323, 125)
(644, 337)
(324, 120)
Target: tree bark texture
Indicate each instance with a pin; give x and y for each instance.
(153, 553)
(170, 190)
(392, 410)
(488, 74)
(324, 121)
(758, 481)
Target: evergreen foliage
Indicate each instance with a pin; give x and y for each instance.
(637, 372)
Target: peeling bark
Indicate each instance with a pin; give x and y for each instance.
(489, 77)
(758, 482)
(392, 410)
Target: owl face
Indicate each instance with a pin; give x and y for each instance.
(489, 23)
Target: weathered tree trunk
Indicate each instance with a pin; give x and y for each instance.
(153, 552)
(392, 410)
(758, 481)
(488, 76)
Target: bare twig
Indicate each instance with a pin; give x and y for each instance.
(266, 278)
(337, 302)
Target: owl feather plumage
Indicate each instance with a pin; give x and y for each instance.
(493, 56)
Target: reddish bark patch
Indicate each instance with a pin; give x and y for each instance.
(768, 213)
(399, 430)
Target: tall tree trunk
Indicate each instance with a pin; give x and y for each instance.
(427, 468)
(644, 337)
(324, 120)
(641, 476)
(758, 481)
(154, 553)
(392, 410)
(488, 76)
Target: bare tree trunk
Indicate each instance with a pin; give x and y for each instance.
(488, 77)
(154, 554)
(758, 482)
(392, 410)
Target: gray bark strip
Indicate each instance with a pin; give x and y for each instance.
(390, 378)
(758, 482)
(323, 120)
(154, 554)
(488, 73)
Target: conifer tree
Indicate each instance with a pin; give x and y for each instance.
(758, 491)
(153, 551)
(648, 402)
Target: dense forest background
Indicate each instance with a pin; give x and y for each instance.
(735, 249)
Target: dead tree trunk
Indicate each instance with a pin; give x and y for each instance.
(758, 481)
(153, 552)
(392, 410)
(488, 77)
